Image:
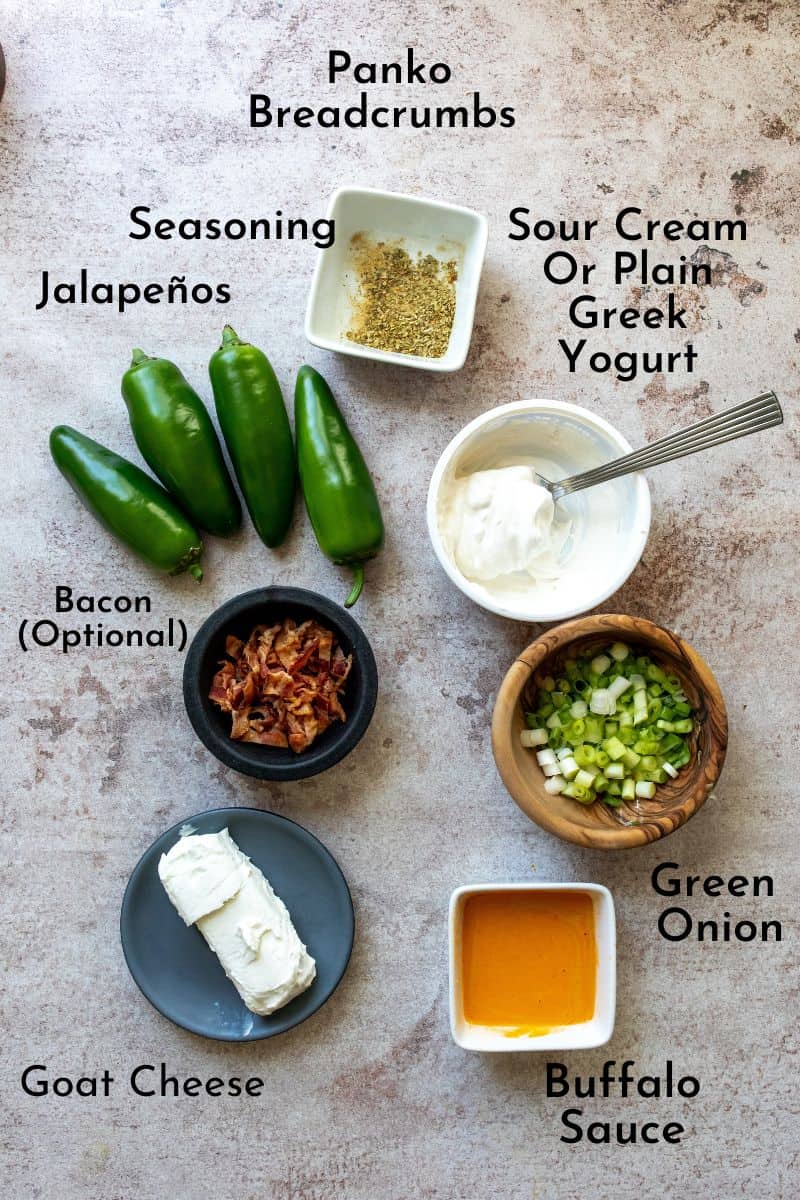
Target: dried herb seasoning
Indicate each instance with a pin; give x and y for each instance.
(405, 304)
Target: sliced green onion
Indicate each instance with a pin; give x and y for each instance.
(600, 664)
(647, 746)
(639, 706)
(618, 686)
(612, 727)
(614, 748)
(685, 725)
(585, 755)
(569, 768)
(594, 730)
(581, 794)
(575, 731)
(602, 703)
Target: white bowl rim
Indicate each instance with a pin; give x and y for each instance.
(639, 535)
(427, 201)
(526, 885)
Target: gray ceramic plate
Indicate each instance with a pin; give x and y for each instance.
(182, 977)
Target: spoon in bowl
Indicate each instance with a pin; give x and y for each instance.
(762, 412)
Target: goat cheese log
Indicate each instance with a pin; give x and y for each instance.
(216, 887)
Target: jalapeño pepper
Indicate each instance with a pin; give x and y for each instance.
(128, 502)
(253, 420)
(174, 433)
(339, 492)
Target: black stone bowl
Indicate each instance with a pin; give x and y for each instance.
(239, 616)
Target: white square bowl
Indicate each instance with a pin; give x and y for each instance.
(583, 1036)
(446, 230)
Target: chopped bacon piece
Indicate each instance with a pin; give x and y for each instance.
(312, 647)
(282, 686)
(340, 667)
(325, 646)
(241, 724)
(267, 737)
(276, 683)
(220, 685)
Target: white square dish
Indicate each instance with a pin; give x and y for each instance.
(583, 1036)
(445, 230)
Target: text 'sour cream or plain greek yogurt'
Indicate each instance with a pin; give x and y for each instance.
(503, 523)
(216, 887)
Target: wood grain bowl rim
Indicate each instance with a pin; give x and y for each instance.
(614, 626)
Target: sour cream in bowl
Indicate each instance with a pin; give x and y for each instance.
(499, 537)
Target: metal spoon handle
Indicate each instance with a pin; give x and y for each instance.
(751, 417)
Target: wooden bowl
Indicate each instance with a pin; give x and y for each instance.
(597, 825)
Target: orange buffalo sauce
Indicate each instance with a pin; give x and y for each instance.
(528, 960)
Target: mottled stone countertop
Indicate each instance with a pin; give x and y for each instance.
(682, 107)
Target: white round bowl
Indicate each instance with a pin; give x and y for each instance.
(610, 522)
